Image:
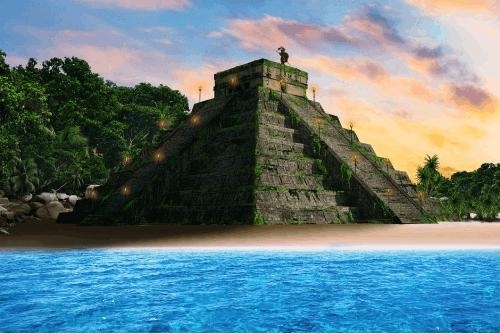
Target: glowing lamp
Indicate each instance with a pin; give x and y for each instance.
(126, 159)
(162, 123)
(158, 156)
(125, 190)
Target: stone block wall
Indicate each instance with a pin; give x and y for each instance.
(261, 73)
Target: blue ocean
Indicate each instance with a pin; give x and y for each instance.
(249, 291)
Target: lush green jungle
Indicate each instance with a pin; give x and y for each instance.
(63, 127)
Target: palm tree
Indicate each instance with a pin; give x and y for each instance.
(24, 176)
(428, 176)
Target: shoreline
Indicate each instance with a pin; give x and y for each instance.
(444, 235)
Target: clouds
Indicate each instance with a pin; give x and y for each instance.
(472, 95)
(447, 7)
(392, 83)
(147, 5)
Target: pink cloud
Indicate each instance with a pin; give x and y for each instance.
(256, 35)
(347, 69)
(445, 7)
(270, 31)
(367, 30)
(107, 61)
(470, 94)
(148, 5)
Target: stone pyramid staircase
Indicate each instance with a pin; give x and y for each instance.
(374, 175)
(291, 186)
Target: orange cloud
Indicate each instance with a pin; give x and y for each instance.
(440, 140)
(149, 5)
(270, 32)
(347, 69)
(447, 6)
(188, 81)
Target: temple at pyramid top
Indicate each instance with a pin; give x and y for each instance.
(264, 73)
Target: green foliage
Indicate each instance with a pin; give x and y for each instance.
(317, 144)
(345, 174)
(430, 181)
(294, 117)
(350, 217)
(23, 177)
(259, 168)
(259, 219)
(320, 166)
(70, 127)
(477, 191)
(464, 192)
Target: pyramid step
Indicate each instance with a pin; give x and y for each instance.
(266, 105)
(271, 131)
(273, 118)
(333, 215)
(273, 179)
(298, 198)
(200, 198)
(279, 148)
(288, 166)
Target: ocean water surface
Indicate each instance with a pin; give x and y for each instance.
(249, 291)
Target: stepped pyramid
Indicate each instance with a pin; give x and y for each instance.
(259, 152)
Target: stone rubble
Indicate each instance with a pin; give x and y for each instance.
(33, 208)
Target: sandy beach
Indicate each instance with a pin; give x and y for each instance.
(458, 235)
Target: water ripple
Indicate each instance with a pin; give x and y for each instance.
(162, 291)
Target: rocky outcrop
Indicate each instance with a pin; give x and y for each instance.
(33, 208)
(50, 210)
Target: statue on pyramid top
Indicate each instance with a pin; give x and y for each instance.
(283, 55)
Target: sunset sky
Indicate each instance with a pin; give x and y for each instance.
(415, 77)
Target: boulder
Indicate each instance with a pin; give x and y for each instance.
(72, 199)
(91, 191)
(20, 218)
(9, 215)
(67, 205)
(42, 213)
(18, 208)
(31, 219)
(50, 210)
(62, 196)
(4, 200)
(36, 205)
(45, 197)
(26, 198)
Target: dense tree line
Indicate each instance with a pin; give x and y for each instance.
(63, 126)
(464, 192)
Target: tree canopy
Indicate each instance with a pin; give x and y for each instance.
(464, 192)
(63, 126)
